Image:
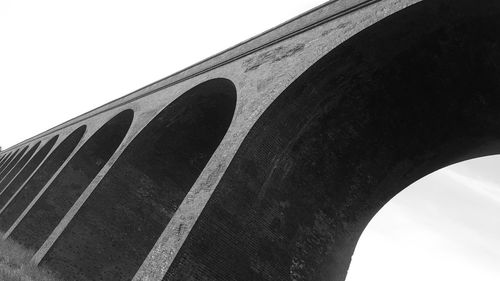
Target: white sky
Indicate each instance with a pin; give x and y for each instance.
(445, 226)
(59, 59)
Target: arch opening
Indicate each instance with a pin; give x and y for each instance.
(3, 159)
(7, 160)
(69, 184)
(13, 162)
(119, 223)
(440, 227)
(26, 172)
(20, 201)
(413, 93)
(6, 180)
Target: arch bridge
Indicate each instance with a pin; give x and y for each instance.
(267, 160)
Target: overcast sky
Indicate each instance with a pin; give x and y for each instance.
(59, 59)
(445, 226)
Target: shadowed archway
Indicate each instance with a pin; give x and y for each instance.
(26, 172)
(76, 175)
(18, 203)
(12, 163)
(7, 160)
(408, 95)
(9, 176)
(119, 223)
(3, 159)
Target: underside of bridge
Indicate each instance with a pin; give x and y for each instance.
(280, 194)
(411, 94)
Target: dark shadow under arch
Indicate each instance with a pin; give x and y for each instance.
(7, 159)
(408, 95)
(3, 159)
(13, 162)
(26, 172)
(119, 223)
(43, 174)
(69, 184)
(13, 172)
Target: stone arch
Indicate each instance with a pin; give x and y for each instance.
(119, 223)
(3, 159)
(414, 92)
(13, 172)
(12, 162)
(68, 185)
(7, 159)
(16, 205)
(30, 167)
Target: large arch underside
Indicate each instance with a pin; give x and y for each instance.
(415, 92)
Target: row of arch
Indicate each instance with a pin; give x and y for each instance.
(361, 124)
(119, 223)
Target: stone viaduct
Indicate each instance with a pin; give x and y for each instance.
(267, 160)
